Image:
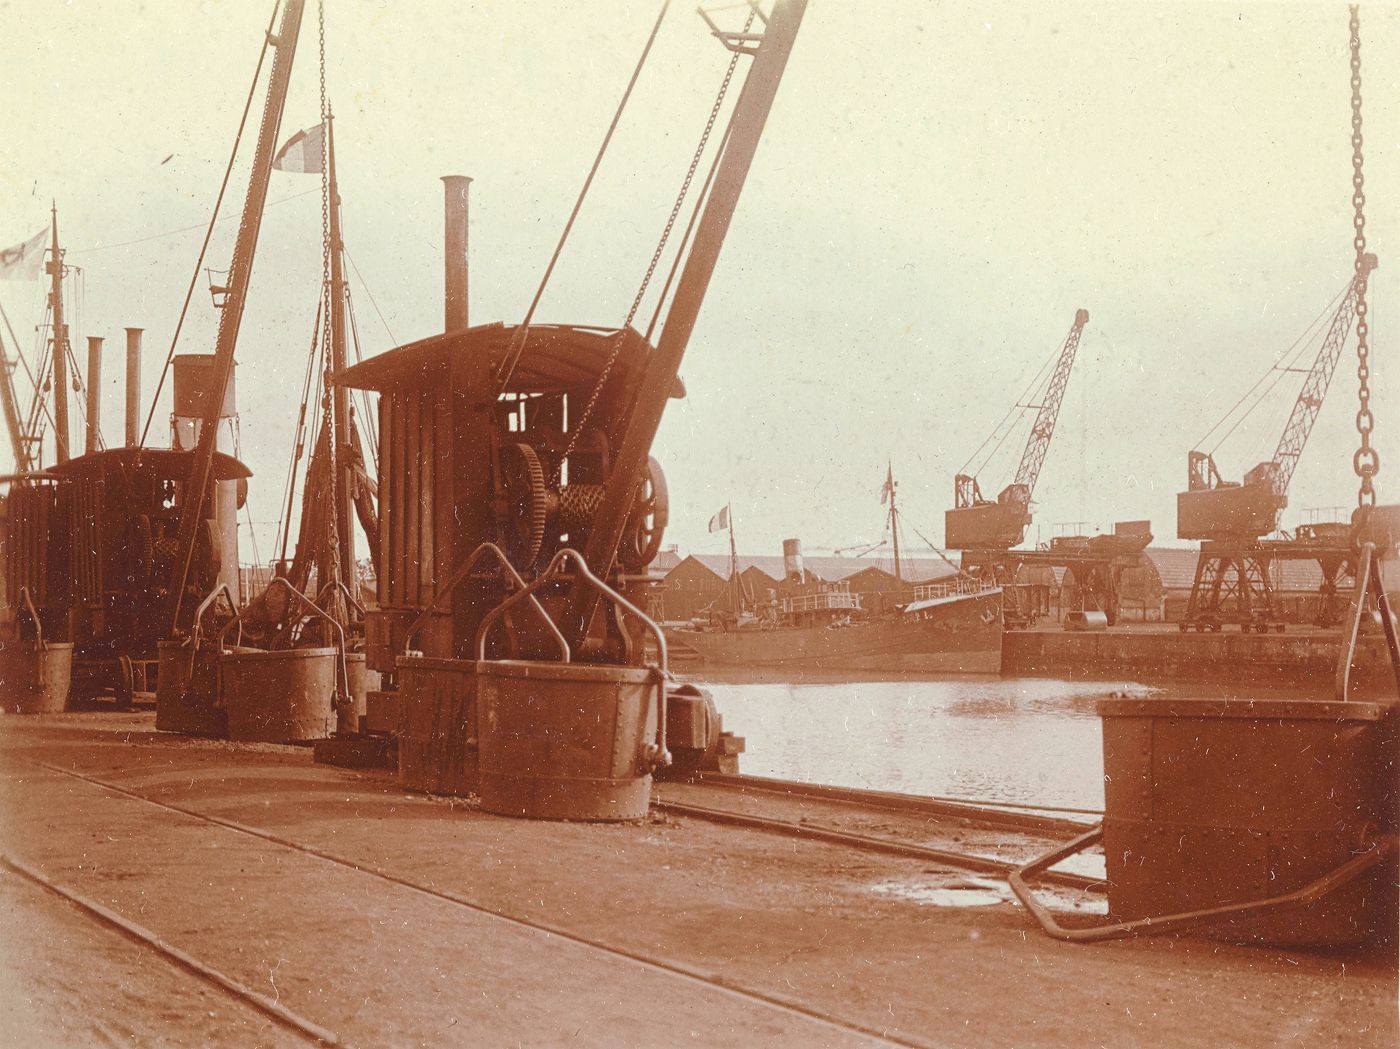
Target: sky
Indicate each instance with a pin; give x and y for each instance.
(939, 187)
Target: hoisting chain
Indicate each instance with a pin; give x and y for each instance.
(1367, 461)
(332, 566)
(576, 431)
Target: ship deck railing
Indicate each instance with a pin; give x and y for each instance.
(961, 586)
(829, 601)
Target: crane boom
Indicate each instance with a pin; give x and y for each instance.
(975, 523)
(1038, 443)
(10, 404)
(1309, 403)
(285, 46)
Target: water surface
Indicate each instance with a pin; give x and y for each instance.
(1022, 740)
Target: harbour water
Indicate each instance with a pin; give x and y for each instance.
(1030, 740)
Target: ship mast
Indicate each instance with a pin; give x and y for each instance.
(60, 345)
(340, 446)
(890, 487)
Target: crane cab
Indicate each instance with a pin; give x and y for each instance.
(983, 524)
(1213, 508)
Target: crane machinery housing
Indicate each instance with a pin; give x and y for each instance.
(1234, 578)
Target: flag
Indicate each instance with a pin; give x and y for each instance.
(23, 261)
(720, 521)
(887, 489)
(302, 152)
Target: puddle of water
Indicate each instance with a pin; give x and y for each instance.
(961, 891)
(936, 892)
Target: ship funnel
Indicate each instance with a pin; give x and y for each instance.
(133, 386)
(454, 269)
(793, 570)
(94, 394)
(193, 377)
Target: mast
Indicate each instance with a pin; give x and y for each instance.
(10, 403)
(734, 581)
(193, 499)
(60, 346)
(341, 458)
(894, 524)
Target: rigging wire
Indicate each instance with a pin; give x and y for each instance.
(393, 340)
(313, 357)
(1017, 409)
(177, 232)
(521, 334)
(1275, 371)
(576, 430)
(213, 219)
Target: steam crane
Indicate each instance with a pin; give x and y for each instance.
(976, 523)
(1233, 581)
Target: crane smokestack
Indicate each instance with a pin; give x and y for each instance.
(454, 271)
(94, 393)
(133, 386)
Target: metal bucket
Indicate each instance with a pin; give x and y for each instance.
(35, 676)
(282, 696)
(437, 725)
(360, 681)
(1213, 803)
(566, 741)
(187, 693)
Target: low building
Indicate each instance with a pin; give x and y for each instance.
(702, 582)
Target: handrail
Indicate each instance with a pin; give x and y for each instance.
(661, 754)
(204, 606)
(338, 584)
(1367, 579)
(1310, 893)
(42, 665)
(342, 689)
(460, 572)
(34, 615)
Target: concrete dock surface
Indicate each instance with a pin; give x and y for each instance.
(382, 918)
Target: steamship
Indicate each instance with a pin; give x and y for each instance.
(949, 627)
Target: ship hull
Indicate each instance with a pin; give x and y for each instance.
(959, 636)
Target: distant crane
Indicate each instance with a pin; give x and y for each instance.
(1212, 508)
(976, 523)
(1233, 580)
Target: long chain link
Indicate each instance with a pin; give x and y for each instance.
(332, 566)
(576, 431)
(1367, 461)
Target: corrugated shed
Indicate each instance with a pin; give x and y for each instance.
(832, 569)
(1177, 567)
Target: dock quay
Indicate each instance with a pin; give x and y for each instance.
(369, 916)
(1161, 654)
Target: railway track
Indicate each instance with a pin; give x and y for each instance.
(1035, 830)
(319, 1035)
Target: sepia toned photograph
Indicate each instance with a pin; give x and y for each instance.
(758, 523)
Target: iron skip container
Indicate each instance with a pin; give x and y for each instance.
(283, 696)
(566, 741)
(35, 677)
(1217, 802)
(437, 725)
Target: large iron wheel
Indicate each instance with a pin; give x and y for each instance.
(646, 525)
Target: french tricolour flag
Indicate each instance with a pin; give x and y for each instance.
(302, 153)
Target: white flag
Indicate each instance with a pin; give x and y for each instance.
(887, 489)
(302, 152)
(24, 261)
(720, 521)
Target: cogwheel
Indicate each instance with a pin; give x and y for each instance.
(529, 499)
